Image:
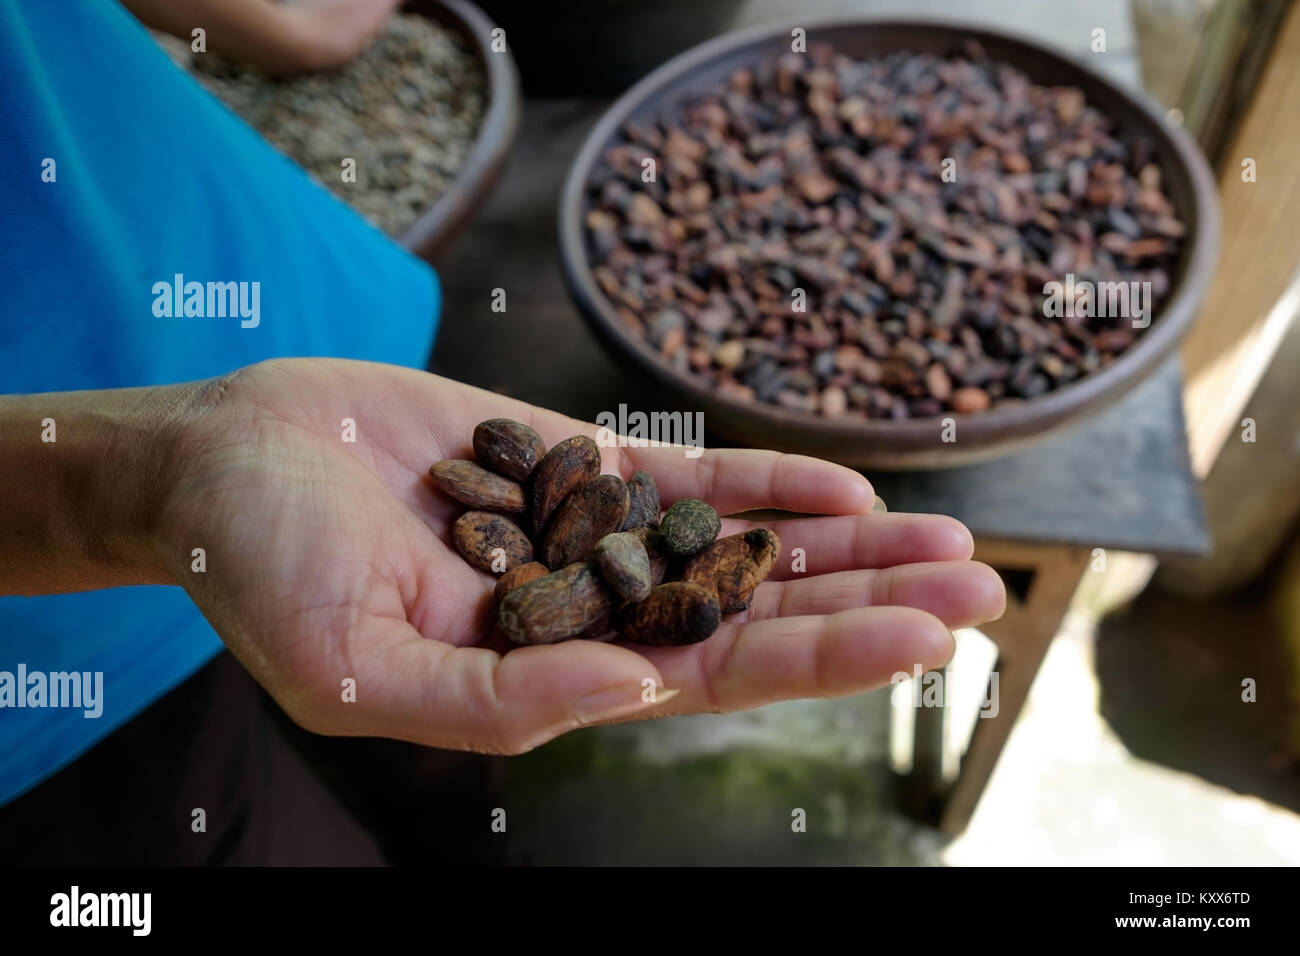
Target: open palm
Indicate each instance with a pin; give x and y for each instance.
(328, 561)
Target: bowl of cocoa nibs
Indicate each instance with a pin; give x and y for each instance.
(894, 244)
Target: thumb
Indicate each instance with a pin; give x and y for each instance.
(471, 698)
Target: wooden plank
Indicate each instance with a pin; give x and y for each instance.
(1253, 492)
(1256, 292)
(1118, 480)
(1022, 636)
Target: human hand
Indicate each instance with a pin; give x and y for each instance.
(334, 32)
(278, 38)
(328, 560)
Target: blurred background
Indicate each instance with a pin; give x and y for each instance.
(1135, 745)
(1151, 551)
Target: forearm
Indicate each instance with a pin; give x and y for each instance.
(82, 479)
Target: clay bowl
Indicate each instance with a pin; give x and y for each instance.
(910, 443)
(430, 235)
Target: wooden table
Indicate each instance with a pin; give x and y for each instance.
(1042, 518)
(1122, 480)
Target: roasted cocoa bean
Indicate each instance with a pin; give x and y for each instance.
(477, 487)
(508, 447)
(643, 502)
(653, 541)
(733, 566)
(601, 567)
(624, 564)
(967, 400)
(823, 173)
(675, 613)
(517, 577)
(567, 466)
(595, 509)
(571, 602)
(688, 527)
(491, 542)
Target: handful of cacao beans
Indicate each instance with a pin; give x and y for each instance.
(586, 555)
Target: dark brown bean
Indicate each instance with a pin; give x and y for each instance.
(571, 602)
(567, 466)
(643, 502)
(508, 447)
(803, 209)
(653, 541)
(597, 508)
(675, 613)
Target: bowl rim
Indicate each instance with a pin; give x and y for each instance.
(433, 231)
(1002, 421)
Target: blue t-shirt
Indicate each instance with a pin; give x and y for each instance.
(122, 179)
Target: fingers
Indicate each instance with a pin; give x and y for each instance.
(958, 593)
(468, 698)
(427, 692)
(734, 479)
(729, 479)
(846, 543)
(760, 662)
(827, 636)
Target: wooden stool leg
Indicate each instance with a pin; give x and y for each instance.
(922, 789)
(1022, 637)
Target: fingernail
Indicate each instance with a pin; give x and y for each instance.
(944, 646)
(664, 696)
(879, 505)
(617, 701)
(614, 702)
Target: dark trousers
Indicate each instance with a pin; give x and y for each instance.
(272, 793)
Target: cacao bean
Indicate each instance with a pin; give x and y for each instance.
(624, 564)
(484, 539)
(571, 602)
(653, 542)
(643, 502)
(733, 566)
(821, 172)
(688, 527)
(678, 612)
(508, 447)
(567, 466)
(967, 400)
(518, 576)
(594, 510)
(477, 487)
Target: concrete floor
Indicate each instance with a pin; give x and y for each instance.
(1132, 743)
(1134, 749)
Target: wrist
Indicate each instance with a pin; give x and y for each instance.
(179, 425)
(117, 478)
(82, 477)
(147, 451)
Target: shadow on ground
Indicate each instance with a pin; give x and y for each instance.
(719, 790)
(1171, 674)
